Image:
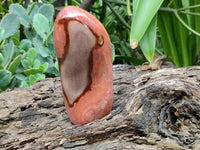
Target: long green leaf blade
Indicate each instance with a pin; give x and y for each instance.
(148, 41)
(181, 36)
(144, 13)
(165, 26)
(195, 24)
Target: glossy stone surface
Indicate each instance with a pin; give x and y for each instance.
(84, 53)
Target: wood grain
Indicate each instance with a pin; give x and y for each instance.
(152, 110)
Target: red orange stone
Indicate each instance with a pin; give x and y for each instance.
(84, 53)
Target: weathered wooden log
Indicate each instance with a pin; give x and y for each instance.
(152, 110)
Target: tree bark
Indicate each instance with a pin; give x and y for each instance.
(152, 110)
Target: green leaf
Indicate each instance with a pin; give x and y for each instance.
(194, 21)
(53, 72)
(148, 41)
(47, 10)
(165, 25)
(5, 78)
(8, 53)
(26, 63)
(41, 25)
(20, 77)
(15, 64)
(113, 52)
(21, 12)
(1, 58)
(44, 51)
(37, 42)
(10, 23)
(33, 11)
(29, 33)
(44, 67)
(49, 38)
(135, 5)
(49, 60)
(144, 13)
(56, 65)
(1, 33)
(25, 44)
(16, 38)
(36, 77)
(181, 35)
(32, 79)
(36, 63)
(32, 53)
(52, 50)
(40, 76)
(125, 48)
(13, 83)
(26, 83)
(32, 71)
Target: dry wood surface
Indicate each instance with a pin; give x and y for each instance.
(152, 110)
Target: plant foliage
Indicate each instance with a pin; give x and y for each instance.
(164, 27)
(27, 51)
(178, 26)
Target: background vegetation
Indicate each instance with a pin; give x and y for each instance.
(26, 44)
